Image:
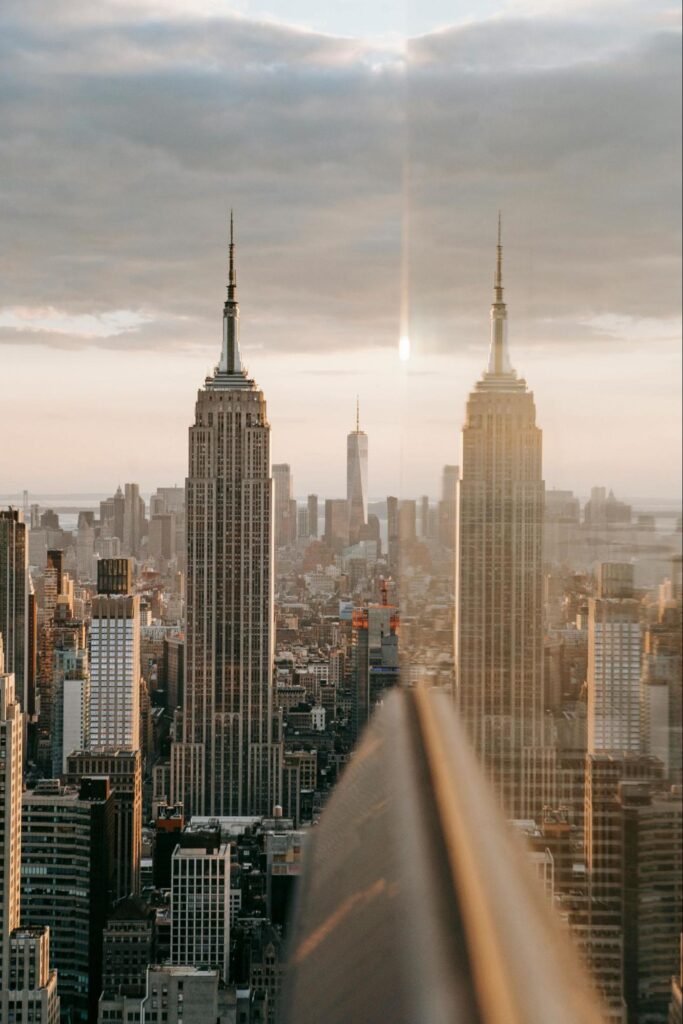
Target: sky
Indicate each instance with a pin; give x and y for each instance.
(366, 150)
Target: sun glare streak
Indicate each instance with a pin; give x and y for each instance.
(404, 348)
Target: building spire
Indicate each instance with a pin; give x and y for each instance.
(232, 276)
(231, 362)
(357, 415)
(499, 359)
(498, 284)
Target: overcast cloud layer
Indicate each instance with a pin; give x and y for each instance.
(366, 175)
(127, 136)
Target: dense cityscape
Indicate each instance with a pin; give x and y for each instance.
(186, 674)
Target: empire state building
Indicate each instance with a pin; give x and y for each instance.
(229, 759)
(499, 577)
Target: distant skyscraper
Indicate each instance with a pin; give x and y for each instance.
(162, 537)
(603, 510)
(312, 504)
(230, 760)
(85, 547)
(425, 525)
(118, 513)
(285, 505)
(133, 520)
(168, 501)
(14, 591)
(336, 523)
(115, 664)
(447, 505)
(393, 553)
(357, 479)
(407, 521)
(615, 651)
(302, 524)
(499, 573)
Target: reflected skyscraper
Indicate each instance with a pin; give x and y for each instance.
(229, 761)
(357, 479)
(499, 599)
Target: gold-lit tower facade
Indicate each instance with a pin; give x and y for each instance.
(499, 592)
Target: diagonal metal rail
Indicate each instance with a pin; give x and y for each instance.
(417, 905)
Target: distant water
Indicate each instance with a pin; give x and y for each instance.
(67, 506)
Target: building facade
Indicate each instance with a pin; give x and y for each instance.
(200, 908)
(652, 897)
(11, 738)
(14, 590)
(67, 883)
(615, 653)
(71, 718)
(30, 994)
(230, 759)
(123, 768)
(128, 947)
(603, 854)
(661, 691)
(115, 670)
(180, 995)
(375, 659)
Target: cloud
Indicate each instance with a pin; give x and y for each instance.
(636, 329)
(109, 324)
(130, 132)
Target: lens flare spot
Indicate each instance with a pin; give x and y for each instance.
(404, 348)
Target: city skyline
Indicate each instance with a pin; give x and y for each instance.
(257, 656)
(595, 270)
(341, 648)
